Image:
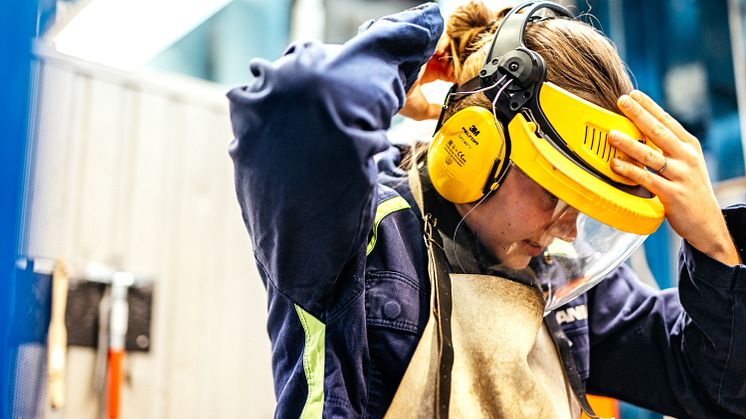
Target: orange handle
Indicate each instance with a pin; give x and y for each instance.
(114, 385)
(603, 406)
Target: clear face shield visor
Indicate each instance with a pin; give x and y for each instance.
(582, 253)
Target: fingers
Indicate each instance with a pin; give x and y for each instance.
(649, 180)
(662, 166)
(642, 153)
(662, 116)
(679, 146)
(650, 127)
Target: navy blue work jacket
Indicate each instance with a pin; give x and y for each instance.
(344, 265)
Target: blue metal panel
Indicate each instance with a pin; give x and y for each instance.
(722, 139)
(18, 24)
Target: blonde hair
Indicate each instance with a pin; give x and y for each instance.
(578, 58)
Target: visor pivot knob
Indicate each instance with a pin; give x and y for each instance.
(513, 66)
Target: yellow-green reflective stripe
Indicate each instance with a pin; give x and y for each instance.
(385, 208)
(313, 363)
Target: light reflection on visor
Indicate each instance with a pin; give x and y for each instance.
(563, 223)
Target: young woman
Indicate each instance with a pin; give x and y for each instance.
(340, 246)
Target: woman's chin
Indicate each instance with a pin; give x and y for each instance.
(516, 262)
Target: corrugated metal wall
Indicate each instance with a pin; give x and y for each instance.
(132, 171)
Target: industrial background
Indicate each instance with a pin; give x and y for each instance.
(114, 159)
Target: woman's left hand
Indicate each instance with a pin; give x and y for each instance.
(679, 176)
(439, 67)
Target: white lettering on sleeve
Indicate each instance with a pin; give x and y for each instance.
(572, 314)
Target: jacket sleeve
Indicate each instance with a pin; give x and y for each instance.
(678, 352)
(305, 131)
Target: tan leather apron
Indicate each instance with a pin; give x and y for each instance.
(491, 356)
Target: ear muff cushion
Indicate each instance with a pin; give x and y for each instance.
(462, 155)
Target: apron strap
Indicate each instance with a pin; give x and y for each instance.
(563, 345)
(440, 296)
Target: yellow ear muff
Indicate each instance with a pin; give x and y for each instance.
(467, 155)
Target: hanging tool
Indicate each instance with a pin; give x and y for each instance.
(70, 323)
(118, 316)
(57, 336)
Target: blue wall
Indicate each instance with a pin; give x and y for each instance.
(18, 25)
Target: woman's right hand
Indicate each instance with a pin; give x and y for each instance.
(678, 175)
